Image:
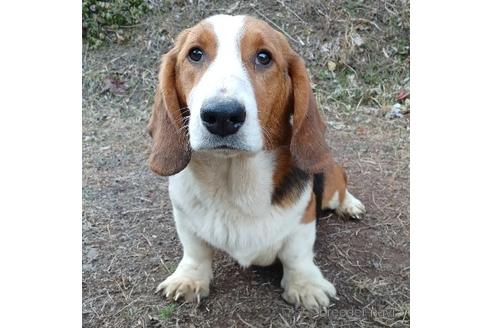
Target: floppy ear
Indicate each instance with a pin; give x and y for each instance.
(170, 149)
(308, 146)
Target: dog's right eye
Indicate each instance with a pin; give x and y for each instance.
(263, 58)
(195, 54)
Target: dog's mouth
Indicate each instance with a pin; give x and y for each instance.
(224, 150)
(227, 147)
(227, 150)
(230, 145)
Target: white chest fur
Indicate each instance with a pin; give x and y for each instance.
(227, 203)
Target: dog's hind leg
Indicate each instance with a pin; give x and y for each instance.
(336, 195)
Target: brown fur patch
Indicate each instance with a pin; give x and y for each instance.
(308, 146)
(283, 165)
(188, 73)
(168, 124)
(283, 90)
(272, 85)
(310, 212)
(335, 180)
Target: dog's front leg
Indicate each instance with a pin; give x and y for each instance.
(192, 277)
(303, 281)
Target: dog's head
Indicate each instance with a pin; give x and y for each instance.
(230, 85)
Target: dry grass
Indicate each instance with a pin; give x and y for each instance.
(129, 241)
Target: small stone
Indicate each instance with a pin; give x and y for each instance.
(394, 112)
(331, 66)
(92, 253)
(337, 125)
(357, 40)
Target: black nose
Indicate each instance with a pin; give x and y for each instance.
(223, 117)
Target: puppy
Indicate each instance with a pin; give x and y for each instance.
(236, 127)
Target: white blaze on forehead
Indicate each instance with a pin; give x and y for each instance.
(228, 63)
(226, 77)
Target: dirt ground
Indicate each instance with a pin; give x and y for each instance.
(357, 55)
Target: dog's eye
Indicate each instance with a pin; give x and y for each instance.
(263, 58)
(195, 54)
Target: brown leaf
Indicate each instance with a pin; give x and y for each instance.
(402, 95)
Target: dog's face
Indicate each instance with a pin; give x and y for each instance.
(232, 84)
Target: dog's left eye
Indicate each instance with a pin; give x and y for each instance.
(195, 54)
(263, 58)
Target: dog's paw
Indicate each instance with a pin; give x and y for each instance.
(351, 207)
(180, 285)
(313, 295)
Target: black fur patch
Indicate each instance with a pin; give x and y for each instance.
(318, 189)
(291, 186)
(318, 186)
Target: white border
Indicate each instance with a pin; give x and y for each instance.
(40, 175)
(451, 164)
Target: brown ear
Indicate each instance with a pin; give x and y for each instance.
(170, 150)
(308, 145)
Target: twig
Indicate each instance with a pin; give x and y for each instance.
(140, 210)
(145, 199)
(374, 201)
(147, 239)
(281, 29)
(363, 20)
(110, 264)
(247, 324)
(119, 311)
(293, 12)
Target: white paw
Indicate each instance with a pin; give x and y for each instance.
(314, 294)
(180, 284)
(352, 207)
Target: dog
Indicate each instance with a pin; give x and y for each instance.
(235, 126)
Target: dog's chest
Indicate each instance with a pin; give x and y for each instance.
(228, 204)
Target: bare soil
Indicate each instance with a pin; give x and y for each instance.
(129, 240)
